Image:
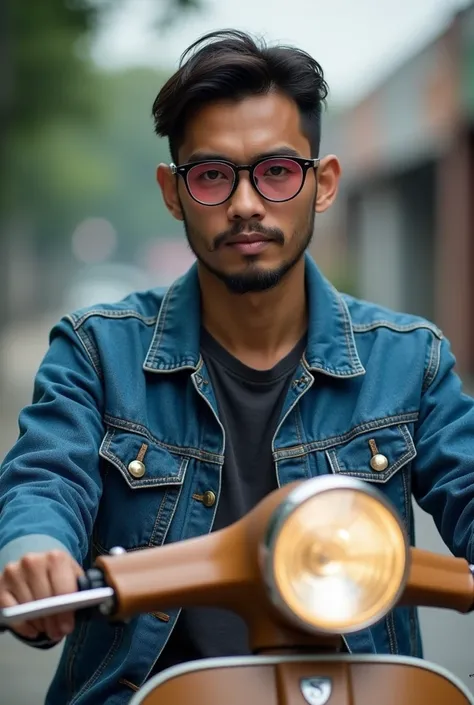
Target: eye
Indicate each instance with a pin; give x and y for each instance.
(276, 170)
(213, 175)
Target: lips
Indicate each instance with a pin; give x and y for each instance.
(247, 239)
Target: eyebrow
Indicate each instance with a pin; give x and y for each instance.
(215, 156)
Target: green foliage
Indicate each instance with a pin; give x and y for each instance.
(126, 140)
(76, 142)
(47, 71)
(174, 9)
(73, 169)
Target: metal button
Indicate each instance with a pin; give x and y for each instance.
(209, 498)
(136, 468)
(116, 551)
(379, 463)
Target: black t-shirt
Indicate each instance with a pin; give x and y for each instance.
(250, 403)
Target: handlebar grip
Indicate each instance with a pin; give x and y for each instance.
(92, 578)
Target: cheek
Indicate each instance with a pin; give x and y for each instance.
(293, 216)
(208, 220)
(303, 212)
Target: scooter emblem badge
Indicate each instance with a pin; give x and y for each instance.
(316, 691)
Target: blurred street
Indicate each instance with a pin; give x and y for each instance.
(25, 673)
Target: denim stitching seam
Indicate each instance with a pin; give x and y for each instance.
(73, 653)
(406, 497)
(151, 542)
(95, 676)
(160, 324)
(107, 454)
(392, 636)
(78, 321)
(348, 330)
(91, 352)
(125, 425)
(397, 327)
(433, 365)
(387, 422)
(378, 477)
(157, 537)
(300, 438)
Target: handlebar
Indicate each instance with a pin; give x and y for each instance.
(94, 598)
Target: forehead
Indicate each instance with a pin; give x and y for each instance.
(241, 130)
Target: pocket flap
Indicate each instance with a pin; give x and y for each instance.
(159, 466)
(393, 445)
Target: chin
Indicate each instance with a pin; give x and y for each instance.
(252, 279)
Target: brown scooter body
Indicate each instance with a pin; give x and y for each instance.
(295, 663)
(305, 680)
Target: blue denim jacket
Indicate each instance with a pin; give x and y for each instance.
(124, 378)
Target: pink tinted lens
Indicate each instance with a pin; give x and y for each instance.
(211, 183)
(278, 179)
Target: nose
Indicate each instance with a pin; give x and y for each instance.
(246, 203)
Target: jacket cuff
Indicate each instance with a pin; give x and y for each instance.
(33, 543)
(40, 642)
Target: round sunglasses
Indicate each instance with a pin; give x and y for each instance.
(211, 182)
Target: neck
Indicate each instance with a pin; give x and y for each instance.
(257, 328)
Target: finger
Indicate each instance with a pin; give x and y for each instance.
(25, 629)
(36, 581)
(63, 576)
(15, 583)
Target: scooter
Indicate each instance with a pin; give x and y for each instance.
(314, 561)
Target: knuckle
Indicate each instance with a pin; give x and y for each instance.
(55, 557)
(31, 561)
(11, 571)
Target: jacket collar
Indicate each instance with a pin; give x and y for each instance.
(330, 349)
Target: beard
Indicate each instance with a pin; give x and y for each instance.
(254, 278)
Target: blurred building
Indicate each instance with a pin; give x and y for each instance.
(405, 213)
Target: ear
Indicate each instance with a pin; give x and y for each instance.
(169, 189)
(328, 175)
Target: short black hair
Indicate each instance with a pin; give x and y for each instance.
(231, 64)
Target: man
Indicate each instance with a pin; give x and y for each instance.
(172, 413)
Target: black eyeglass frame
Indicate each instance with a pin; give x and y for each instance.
(184, 169)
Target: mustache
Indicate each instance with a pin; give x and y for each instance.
(238, 228)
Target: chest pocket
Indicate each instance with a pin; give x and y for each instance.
(142, 481)
(376, 456)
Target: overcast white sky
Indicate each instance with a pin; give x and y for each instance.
(356, 41)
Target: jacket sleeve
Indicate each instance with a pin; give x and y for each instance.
(443, 476)
(50, 482)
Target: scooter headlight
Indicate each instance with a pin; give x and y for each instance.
(336, 555)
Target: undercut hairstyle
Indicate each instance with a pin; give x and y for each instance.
(233, 65)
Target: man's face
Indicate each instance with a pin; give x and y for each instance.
(240, 132)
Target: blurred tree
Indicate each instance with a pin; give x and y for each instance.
(103, 169)
(45, 70)
(58, 153)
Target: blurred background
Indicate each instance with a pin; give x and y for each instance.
(81, 219)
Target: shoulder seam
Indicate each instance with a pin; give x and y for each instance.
(433, 365)
(90, 351)
(77, 321)
(398, 328)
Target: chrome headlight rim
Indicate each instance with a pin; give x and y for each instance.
(306, 491)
